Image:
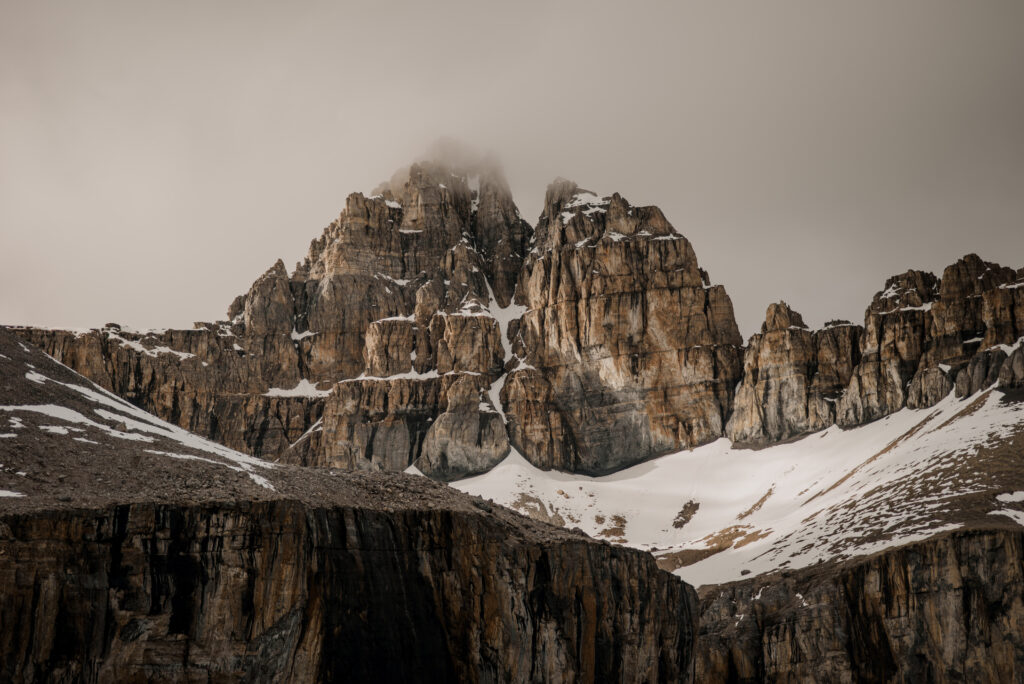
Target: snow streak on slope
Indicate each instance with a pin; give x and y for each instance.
(717, 513)
(86, 413)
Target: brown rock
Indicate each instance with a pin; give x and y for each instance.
(467, 439)
(947, 609)
(791, 378)
(1011, 375)
(982, 371)
(639, 353)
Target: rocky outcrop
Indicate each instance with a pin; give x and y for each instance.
(131, 550)
(396, 292)
(205, 380)
(468, 437)
(636, 354)
(948, 609)
(1011, 375)
(792, 377)
(922, 333)
(279, 591)
(591, 343)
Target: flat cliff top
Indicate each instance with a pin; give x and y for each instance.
(65, 443)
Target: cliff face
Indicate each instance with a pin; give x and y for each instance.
(397, 299)
(922, 338)
(921, 333)
(350, 361)
(632, 353)
(949, 609)
(131, 550)
(792, 378)
(429, 325)
(279, 591)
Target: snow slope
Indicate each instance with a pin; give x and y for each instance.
(717, 514)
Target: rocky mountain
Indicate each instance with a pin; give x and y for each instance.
(131, 550)
(891, 551)
(431, 326)
(848, 499)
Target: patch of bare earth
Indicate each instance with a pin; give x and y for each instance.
(616, 531)
(684, 516)
(533, 507)
(734, 536)
(757, 505)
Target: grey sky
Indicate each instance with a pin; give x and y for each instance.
(156, 157)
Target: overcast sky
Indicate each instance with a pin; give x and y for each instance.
(156, 157)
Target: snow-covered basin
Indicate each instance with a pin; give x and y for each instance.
(860, 473)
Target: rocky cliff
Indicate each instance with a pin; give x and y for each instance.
(429, 325)
(922, 338)
(632, 352)
(947, 610)
(792, 377)
(131, 550)
(397, 300)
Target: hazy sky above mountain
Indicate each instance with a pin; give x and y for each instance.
(155, 158)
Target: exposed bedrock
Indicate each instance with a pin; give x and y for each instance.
(637, 353)
(948, 609)
(792, 377)
(594, 341)
(923, 333)
(281, 591)
(402, 282)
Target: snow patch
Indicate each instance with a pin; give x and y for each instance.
(300, 335)
(304, 389)
(837, 494)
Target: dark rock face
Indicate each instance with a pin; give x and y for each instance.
(279, 591)
(204, 380)
(922, 337)
(637, 354)
(948, 609)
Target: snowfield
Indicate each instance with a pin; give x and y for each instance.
(717, 514)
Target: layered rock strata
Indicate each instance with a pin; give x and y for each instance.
(131, 550)
(922, 333)
(628, 350)
(589, 344)
(923, 337)
(280, 591)
(792, 377)
(947, 609)
(394, 300)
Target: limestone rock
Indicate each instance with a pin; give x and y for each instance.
(791, 378)
(402, 282)
(389, 347)
(467, 439)
(982, 371)
(897, 327)
(960, 326)
(920, 323)
(639, 353)
(928, 387)
(1011, 375)
(947, 609)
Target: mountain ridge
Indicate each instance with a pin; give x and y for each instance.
(592, 341)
